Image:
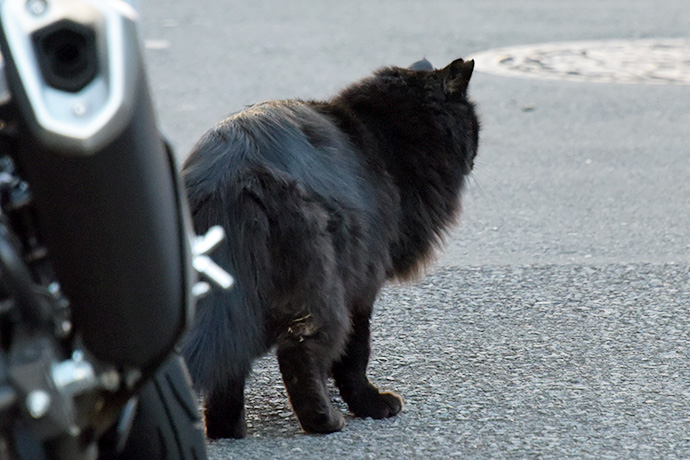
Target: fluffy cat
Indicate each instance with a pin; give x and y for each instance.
(322, 202)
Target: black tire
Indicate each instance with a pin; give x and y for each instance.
(167, 424)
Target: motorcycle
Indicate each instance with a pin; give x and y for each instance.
(99, 268)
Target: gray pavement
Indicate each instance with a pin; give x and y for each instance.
(555, 324)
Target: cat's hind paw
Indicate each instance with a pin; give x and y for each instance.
(218, 429)
(323, 423)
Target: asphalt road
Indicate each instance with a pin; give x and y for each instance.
(555, 324)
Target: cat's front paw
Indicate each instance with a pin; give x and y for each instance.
(377, 405)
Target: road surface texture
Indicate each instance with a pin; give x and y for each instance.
(555, 324)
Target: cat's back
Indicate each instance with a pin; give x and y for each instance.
(291, 138)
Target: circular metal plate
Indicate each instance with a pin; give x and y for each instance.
(654, 61)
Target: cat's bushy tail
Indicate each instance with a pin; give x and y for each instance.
(228, 331)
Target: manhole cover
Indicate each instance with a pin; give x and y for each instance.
(657, 62)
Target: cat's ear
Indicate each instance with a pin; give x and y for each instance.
(421, 65)
(456, 77)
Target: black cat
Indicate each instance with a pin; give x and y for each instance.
(322, 202)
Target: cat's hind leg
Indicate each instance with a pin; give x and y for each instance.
(361, 396)
(305, 363)
(224, 412)
(313, 322)
(308, 322)
(312, 338)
